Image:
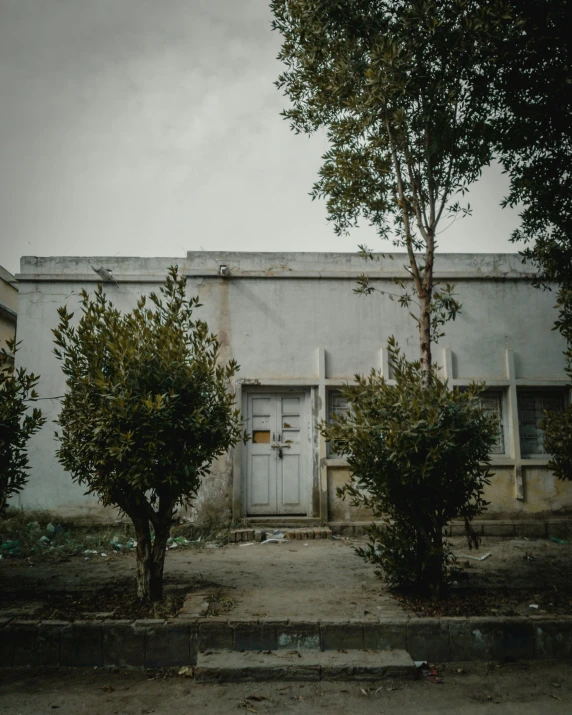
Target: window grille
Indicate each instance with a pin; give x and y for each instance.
(531, 407)
(491, 403)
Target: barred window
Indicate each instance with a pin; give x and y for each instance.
(337, 405)
(531, 407)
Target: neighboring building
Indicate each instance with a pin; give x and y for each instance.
(298, 332)
(8, 306)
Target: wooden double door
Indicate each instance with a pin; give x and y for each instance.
(278, 455)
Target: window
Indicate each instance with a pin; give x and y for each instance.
(337, 405)
(531, 407)
(491, 403)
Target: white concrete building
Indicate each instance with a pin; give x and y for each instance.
(298, 331)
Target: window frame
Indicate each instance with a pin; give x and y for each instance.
(502, 393)
(502, 402)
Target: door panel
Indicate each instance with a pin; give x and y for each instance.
(277, 474)
(261, 465)
(290, 481)
(262, 479)
(291, 405)
(290, 468)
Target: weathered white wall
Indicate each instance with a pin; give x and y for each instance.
(274, 312)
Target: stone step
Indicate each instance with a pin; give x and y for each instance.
(247, 666)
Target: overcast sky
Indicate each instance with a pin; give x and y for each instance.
(152, 127)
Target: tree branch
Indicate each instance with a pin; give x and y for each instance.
(403, 204)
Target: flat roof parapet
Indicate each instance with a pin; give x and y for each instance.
(207, 264)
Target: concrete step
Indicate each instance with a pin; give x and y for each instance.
(282, 522)
(247, 666)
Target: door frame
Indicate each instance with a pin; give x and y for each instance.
(240, 466)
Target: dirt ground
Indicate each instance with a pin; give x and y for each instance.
(321, 580)
(480, 688)
(318, 580)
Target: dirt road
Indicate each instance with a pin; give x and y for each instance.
(523, 688)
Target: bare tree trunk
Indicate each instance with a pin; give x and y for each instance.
(425, 300)
(435, 571)
(425, 337)
(144, 557)
(158, 561)
(150, 552)
(150, 560)
(430, 547)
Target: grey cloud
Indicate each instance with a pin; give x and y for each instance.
(145, 128)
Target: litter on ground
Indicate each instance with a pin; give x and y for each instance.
(475, 558)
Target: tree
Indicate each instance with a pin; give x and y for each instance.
(404, 89)
(557, 426)
(146, 412)
(420, 454)
(534, 133)
(17, 422)
(534, 142)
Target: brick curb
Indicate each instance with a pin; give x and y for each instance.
(161, 644)
(523, 528)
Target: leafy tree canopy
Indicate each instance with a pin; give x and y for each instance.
(534, 140)
(17, 422)
(534, 133)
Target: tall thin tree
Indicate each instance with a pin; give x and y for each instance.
(403, 89)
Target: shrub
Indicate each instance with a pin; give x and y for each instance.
(418, 456)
